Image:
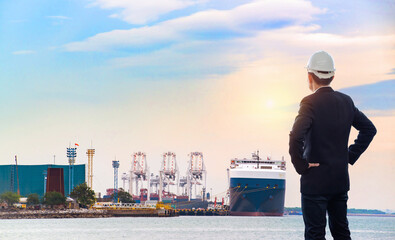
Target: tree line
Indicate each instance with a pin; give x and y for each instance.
(82, 194)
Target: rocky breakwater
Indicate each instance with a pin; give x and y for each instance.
(143, 213)
(68, 213)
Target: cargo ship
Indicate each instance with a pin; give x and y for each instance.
(256, 186)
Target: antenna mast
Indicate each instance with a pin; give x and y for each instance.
(17, 176)
(257, 154)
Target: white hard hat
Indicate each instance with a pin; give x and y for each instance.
(321, 61)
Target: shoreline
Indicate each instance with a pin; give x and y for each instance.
(41, 214)
(370, 215)
(90, 213)
(84, 213)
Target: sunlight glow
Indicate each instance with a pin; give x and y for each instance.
(269, 104)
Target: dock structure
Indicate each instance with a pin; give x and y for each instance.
(136, 209)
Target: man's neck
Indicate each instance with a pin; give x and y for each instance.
(316, 87)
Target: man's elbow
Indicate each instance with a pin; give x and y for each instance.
(374, 130)
(300, 171)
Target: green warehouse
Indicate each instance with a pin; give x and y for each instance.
(32, 178)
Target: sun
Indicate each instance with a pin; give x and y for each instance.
(269, 104)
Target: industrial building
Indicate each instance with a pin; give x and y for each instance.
(32, 178)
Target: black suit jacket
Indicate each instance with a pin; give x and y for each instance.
(320, 135)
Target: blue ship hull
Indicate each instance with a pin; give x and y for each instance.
(257, 197)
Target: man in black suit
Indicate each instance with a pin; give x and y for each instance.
(320, 153)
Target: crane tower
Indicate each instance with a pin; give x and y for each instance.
(125, 177)
(139, 173)
(196, 175)
(169, 174)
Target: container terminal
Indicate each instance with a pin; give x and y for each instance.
(168, 192)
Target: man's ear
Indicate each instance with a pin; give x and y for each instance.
(310, 81)
(310, 78)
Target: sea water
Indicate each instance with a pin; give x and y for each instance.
(185, 227)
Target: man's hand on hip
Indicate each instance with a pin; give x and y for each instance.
(313, 165)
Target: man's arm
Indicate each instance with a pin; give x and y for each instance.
(297, 136)
(366, 133)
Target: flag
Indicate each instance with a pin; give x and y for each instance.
(77, 144)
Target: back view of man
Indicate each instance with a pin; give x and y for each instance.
(320, 153)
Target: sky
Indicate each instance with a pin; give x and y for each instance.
(221, 77)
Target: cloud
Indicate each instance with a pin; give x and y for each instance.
(217, 42)
(179, 62)
(58, 20)
(245, 20)
(377, 98)
(391, 72)
(197, 58)
(141, 12)
(23, 52)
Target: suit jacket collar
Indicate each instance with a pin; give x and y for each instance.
(324, 89)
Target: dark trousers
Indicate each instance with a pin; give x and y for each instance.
(315, 207)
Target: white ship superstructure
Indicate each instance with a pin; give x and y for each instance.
(257, 187)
